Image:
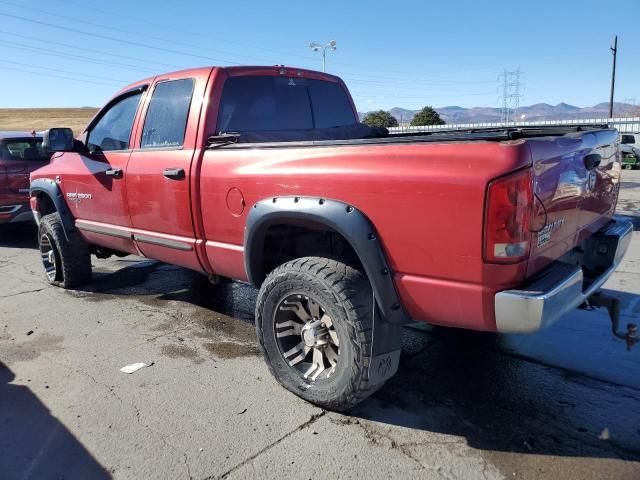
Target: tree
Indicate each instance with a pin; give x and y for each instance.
(380, 119)
(426, 116)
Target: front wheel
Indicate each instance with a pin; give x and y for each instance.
(313, 319)
(66, 259)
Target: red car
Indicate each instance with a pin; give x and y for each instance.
(263, 174)
(20, 154)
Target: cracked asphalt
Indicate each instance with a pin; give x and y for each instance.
(562, 403)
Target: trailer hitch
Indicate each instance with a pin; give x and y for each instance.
(612, 304)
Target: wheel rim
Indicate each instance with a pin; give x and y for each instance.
(49, 257)
(306, 336)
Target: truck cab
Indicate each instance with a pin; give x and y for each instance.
(20, 154)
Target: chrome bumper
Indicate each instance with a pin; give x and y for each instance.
(560, 290)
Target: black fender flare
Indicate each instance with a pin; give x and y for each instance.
(48, 187)
(343, 218)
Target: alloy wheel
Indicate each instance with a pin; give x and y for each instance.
(306, 336)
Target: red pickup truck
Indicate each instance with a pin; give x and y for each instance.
(263, 175)
(20, 154)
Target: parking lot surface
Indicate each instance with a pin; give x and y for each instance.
(562, 403)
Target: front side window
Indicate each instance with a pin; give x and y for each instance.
(166, 120)
(113, 129)
(269, 103)
(26, 149)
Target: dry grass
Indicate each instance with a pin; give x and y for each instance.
(42, 118)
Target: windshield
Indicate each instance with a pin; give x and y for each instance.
(27, 149)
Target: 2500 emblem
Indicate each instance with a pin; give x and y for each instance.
(544, 235)
(78, 197)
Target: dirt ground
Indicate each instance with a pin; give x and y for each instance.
(42, 118)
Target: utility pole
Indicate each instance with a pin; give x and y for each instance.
(510, 94)
(614, 51)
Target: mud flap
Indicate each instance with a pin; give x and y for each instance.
(386, 345)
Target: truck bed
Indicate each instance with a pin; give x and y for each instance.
(234, 140)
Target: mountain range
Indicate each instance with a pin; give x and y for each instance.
(539, 111)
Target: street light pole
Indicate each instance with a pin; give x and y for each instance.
(317, 47)
(614, 51)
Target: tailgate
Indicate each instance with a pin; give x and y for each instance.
(575, 195)
(14, 176)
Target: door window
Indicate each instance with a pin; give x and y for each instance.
(166, 120)
(113, 129)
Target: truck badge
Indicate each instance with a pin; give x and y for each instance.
(544, 235)
(76, 197)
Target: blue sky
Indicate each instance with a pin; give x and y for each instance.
(407, 54)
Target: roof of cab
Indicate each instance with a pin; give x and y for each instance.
(18, 134)
(237, 71)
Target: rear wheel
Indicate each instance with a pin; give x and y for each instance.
(313, 319)
(66, 261)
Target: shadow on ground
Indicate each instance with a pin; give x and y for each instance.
(19, 235)
(463, 383)
(36, 445)
(455, 382)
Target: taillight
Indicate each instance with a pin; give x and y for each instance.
(507, 216)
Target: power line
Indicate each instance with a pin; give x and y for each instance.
(84, 58)
(57, 53)
(173, 41)
(396, 74)
(426, 96)
(181, 30)
(50, 75)
(395, 79)
(410, 83)
(99, 52)
(114, 39)
(118, 81)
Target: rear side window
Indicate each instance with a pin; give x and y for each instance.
(113, 130)
(267, 103)
(331, 107)
(166, 120)
(27, 149)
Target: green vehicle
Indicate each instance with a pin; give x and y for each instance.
(630, 149)
(630, 160)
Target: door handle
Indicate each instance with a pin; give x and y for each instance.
(592, 161)
(174, 173)
(114, 172)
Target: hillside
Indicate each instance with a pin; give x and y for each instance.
(42, 118)
(539, 111)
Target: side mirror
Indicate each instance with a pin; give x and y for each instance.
(58, 140)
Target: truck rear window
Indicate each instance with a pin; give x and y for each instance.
(27, 149)
(267, 103)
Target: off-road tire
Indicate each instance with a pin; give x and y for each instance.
(345, 294)
(71, 254)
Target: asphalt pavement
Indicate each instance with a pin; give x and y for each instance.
(561, 403)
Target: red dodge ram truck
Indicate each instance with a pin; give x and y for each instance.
(20, 154)
(264, 175)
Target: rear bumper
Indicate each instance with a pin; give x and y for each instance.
(564, 286)
(14, 213)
